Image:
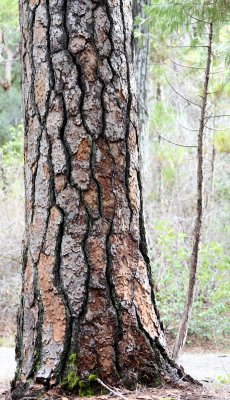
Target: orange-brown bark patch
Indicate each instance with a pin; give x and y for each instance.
(33, 3)
(97, 335)
(60, 182)
(77, 43)
(104, 160)
(54, 311)
(39, 34)
(46, 170)
(124, 255)
(108, 201)
(88, 59)
(55, 220)
(91, 199)
(84, 150)
(81, 164)
(104, 173)
(118, 152)
(34, 166)
(134, 191)
(41, 86)
(132, 140)
(97, 254)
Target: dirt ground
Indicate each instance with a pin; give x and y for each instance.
(209, 368)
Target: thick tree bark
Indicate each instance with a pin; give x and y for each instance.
(87, 286)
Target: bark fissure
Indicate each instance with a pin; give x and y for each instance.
(88, 276)
(143, 246)
(114, 299)
(59, 285)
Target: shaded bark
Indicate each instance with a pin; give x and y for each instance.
(183, 329)
(87, 286)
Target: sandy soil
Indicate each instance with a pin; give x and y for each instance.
(204, 366)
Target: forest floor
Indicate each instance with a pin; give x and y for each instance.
(208, 367)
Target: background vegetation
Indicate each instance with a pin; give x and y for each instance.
(179, 36)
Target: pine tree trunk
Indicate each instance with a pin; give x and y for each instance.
(87, 286)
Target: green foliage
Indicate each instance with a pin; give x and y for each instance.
(13, 149)
(85, 389)
(162, 116)
(10, 111)
(10, 100)
(176, 14)
(222, 141)
(179, 33)
(224, 380)
(73, 359)
(73, 382)
(92, 377)
(170, 266)
(9, 13)
(7, 342)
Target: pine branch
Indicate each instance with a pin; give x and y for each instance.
(176, 144)
(179, 94)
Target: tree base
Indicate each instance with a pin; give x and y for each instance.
(37, 391)
(172, 376)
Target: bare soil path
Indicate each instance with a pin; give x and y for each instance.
(206, 366)
(203, 366)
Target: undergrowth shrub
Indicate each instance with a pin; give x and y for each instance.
(170, 268)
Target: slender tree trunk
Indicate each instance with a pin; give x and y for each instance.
(183, 329)
(212, 175)
(6, 82)
(159, 168)
(87, 286)
(3, 173)
(141, 63)
(213, 159)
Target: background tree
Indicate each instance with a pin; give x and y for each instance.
(141, 62)
(11, 173)
(208, 19)
(10, 92)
